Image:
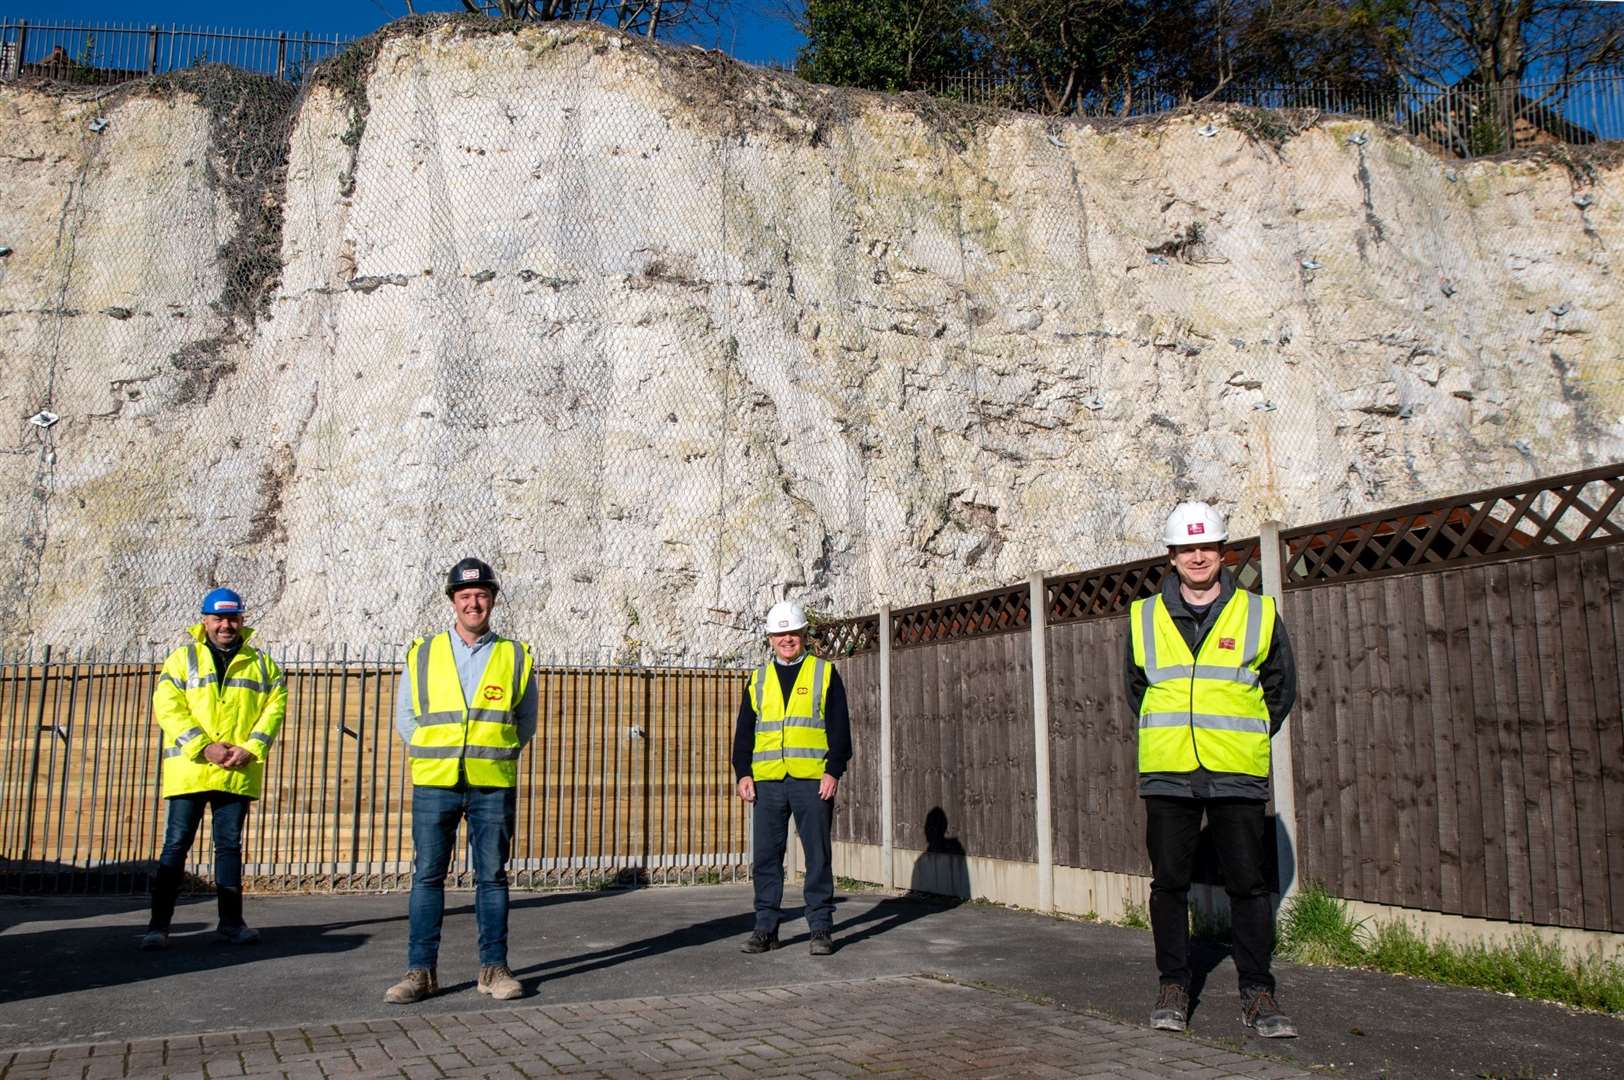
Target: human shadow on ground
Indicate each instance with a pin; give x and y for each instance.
(939, 881)
(60, 960)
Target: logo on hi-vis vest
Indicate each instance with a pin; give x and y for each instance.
(803, 690)
(493, 693)
(1226, 643)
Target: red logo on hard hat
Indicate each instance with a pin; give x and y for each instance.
(1195, 528)
(493, 693)
(1226, 643)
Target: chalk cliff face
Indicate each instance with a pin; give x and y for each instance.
(665, 339)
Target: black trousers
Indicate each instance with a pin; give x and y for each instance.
(1172, 829)
(776, 802)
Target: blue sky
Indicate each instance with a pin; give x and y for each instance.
(753, 30)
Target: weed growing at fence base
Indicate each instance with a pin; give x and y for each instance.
(1316, 928)
(1134, 916)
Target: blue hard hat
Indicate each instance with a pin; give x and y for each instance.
(222, 602)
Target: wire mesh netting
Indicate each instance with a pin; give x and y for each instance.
(666, 338)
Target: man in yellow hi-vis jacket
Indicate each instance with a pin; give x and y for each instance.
(466, 708)
(220, 702)
(791, 743)
(1210, 677)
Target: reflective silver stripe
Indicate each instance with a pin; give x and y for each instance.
(201, 680)
(769, 726)
(1168, 674)
(1147, 635)
(171, 752)
(809, 723)
(1254, 629)
(188, 735)
(260, 736)
(1242, 675)
(795, 752)
(494, 753)
(191, 664)
(165, 677)
(248, 684)
(818, 667)
(430, 719)
(490, 753)
(421, 671)
(491, 716)
(761, 687)
(1207, 721)
(517, 652)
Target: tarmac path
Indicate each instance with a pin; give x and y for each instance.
(914, 989)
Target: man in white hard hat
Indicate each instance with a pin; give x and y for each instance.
(790, 748)
(1210, 677)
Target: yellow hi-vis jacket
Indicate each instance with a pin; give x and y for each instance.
(482, 740)
(194, 710)
(1204, 711)
(791, 740)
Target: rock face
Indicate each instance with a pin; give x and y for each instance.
(665, 339)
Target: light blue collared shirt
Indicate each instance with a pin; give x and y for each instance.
(471, 661)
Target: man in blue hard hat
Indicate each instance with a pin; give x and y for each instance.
(220, 703)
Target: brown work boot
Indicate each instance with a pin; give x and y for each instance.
(418, 984)
(497, 981)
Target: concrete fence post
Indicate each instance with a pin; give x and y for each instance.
(1272, 553)
(1038, 606)
(888, 810)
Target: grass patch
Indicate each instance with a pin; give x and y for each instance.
(1134, 916)
(1316, 928)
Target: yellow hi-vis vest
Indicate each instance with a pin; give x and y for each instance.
(194, 711)
(482, 741)
(791, 740)
(1204, 711)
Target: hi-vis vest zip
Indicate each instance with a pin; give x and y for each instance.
(1204, 711)
(195, 709)
(791, 740)
(482, 741)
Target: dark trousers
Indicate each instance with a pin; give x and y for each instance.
(436, 813)
(776, 802)
(185, 815)
(1172, 828)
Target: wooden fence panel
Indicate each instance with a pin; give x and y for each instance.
(857, 808)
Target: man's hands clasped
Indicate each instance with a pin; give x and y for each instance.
(226, 756)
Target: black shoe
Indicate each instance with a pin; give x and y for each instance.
(1172, 1011)
(1261, 1012)
(821, 943)
(760, 941)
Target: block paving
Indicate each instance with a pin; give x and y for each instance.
(899, 1027)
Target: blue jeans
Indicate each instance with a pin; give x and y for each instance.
(776, 802)
(435, 815)
(185, 815)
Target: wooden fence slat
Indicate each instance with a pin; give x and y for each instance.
(1443, 745)
(1463, 746)
(1372, 779)
(1603, 600)
(1554, 707)
(1486, 740)
(1531, 750)
(1588, 791)
(1506, 746)
(1402, 794)
(1345, 751)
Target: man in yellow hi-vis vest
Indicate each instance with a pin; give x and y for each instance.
(466, 708)
(1210, 678)
(791, 744)
(220, 703)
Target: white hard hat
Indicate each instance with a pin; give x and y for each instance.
(785, 616)
(1194, 523)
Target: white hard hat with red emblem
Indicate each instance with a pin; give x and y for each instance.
(1194, 523)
